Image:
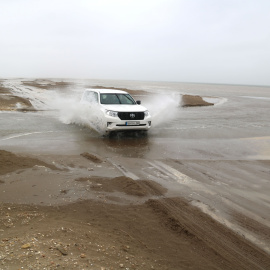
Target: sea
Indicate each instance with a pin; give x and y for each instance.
(237, 126)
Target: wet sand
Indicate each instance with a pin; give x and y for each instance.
(121, 222)
(10, 102)
(109, 204)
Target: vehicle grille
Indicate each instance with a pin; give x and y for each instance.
(131, 115)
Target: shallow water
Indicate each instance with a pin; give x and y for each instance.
(237, 127)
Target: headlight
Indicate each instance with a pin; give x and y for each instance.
(146, 113)
(112, 113)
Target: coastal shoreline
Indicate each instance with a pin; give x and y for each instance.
(93, 207)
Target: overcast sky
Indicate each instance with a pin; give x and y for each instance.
(211, 41)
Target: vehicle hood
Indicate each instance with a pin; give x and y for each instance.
(124, 108)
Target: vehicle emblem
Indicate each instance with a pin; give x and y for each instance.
(132, 115)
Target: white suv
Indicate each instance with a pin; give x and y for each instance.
(119, 111)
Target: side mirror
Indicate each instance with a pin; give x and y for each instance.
(138, 102)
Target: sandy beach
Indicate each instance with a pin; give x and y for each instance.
(75, 201)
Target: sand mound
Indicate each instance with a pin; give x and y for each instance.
(192, 101)
(126, 185)
(9, 102)
(91, 157)
(4, 90)
(47, 84)
(10, 162)
(159, 234)
(14, 103)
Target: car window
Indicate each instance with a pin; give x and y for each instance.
(109, 99)
(116, 99)
(126, 99)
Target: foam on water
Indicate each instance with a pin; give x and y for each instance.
(263, 98)
(163, 108)
(71, 111)
(67, 106)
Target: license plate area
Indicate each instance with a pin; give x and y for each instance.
(132, 123)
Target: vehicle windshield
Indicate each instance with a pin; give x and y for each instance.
(116, 99)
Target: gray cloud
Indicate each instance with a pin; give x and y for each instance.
(172, 40)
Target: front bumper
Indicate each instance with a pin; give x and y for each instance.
(113, 124)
